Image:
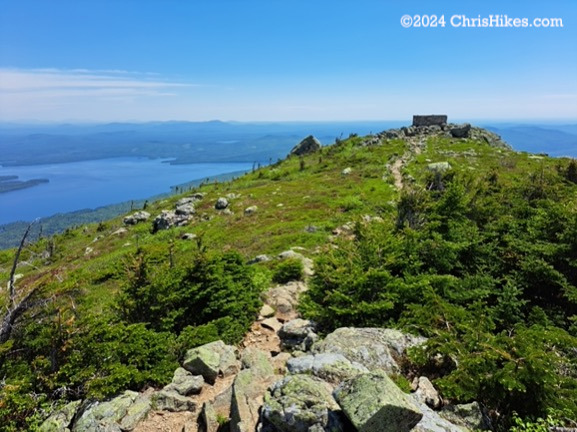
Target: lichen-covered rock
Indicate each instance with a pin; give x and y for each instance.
(120, 232)
(466, 415)
(212, 360)
(248, 390)
(258, 361)
(188, 200)
(164, 220)
(410, 131)
(105, 416)
(308, 145)
(208, 418)
(216, 410)
(136, 412)
(330, 367)
(298, 334)
(486, 136)
(391, 134)
(300, 403)
(59, 421)
(259, 259)
(374, 348)
(185, 383)
(373, 403)
(172, 401)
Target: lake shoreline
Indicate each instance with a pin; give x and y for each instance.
(11, 233)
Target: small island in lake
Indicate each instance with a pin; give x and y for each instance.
(11, 183)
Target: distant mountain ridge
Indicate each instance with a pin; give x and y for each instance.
(553, 140)
(185, 142)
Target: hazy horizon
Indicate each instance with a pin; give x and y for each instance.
(495, 121)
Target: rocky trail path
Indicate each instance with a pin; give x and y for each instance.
(283, 377)
(280, 303)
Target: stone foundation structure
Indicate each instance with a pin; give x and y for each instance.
(429, 120)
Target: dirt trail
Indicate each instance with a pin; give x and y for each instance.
(396, 169)
(165, 421)
(396, 172)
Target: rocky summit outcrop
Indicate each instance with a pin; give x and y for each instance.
(449, 130)
(308, 145)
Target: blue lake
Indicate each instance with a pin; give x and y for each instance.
(96, 183)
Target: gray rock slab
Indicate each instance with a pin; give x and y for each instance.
(308, 145)
(185, 383)
(298, 334)
(212, 360)
(59, 420)
(136, 413)
(374, 348)
(432, 421)
(468, 416)
(300, 403)
(373, 403)
(172, 401)
(330, 367)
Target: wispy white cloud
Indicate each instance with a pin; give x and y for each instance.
(89, 94)
(37, 80)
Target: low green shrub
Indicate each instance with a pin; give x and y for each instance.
(288, 270)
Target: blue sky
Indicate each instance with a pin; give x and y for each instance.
(269, 60)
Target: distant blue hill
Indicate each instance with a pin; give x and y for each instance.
(554, 140)
(184, 142)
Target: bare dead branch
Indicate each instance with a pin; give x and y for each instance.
(11, 289)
